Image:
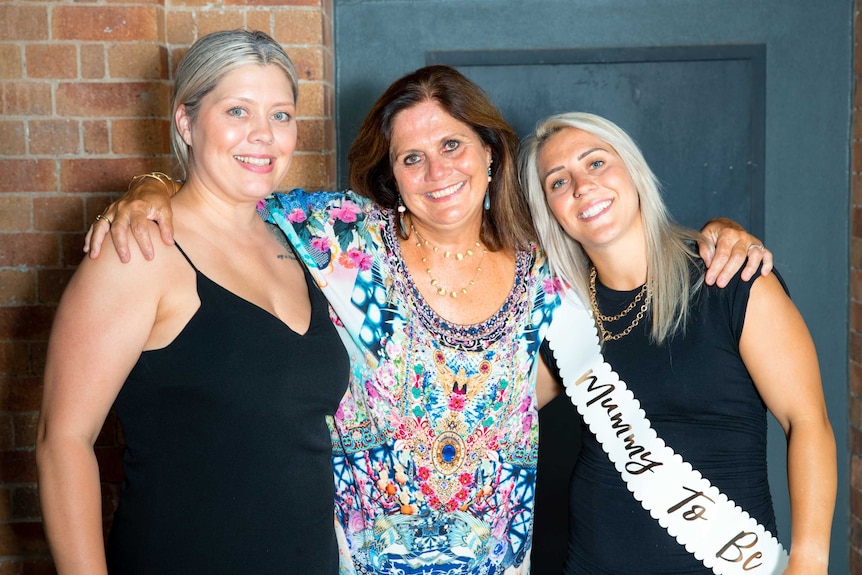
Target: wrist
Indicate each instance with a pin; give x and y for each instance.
(166, 181)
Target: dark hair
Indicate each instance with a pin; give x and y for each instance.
(507, 224)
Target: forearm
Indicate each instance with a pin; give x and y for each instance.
(71, 502)
(812, 479)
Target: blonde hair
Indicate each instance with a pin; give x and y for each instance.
(207, 62)
(669, 246)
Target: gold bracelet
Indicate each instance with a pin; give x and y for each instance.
(158, 176)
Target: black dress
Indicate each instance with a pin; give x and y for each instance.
(698, 396)
(228, 455)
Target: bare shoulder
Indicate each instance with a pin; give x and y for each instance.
(286, 252)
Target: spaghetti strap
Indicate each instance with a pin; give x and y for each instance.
(187, 257)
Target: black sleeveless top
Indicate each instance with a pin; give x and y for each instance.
(702, 402)
(228, 455)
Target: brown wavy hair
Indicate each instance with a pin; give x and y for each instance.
(507, 224)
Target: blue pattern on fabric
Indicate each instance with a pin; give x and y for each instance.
(436, 440)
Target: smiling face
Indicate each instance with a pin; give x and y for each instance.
(589, 190)
(441, 168)
(244, 135)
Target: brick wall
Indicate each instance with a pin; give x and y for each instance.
(84, 96)
(855, 370)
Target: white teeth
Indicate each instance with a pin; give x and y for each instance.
(254, 161)
(596, 209)
(446, 191)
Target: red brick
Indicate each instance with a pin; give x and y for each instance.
(101, 175)
(14, 358)
(93, 65)
(25, 427)
(309, 62)
(106, 23)
(58, 214)
(307, 171)
(17, 466)
(110, 463)
(39, 566)
(145, 137)
(15, 213)
(326, 24)
(17, 286)
(109, 435)
(176, 56)
(138, 61)
(28, 176)
(181, 28)
(26, 322)
(25, 99)
(25, 504)
(96, 139)
(260, 20)
(271, 2)
(312, 136)
(29, 249)
(108, 99)
(51, 284)
(38, 351)
(312, 100)
(11, 62)
(20, 394)
(54, 137)
(22, 538)
(855, 378)
(7, 442)
(52, 61)
(215, 20)
(5, 509)
(294, 27)
(19, 22)
(12, 139)
(72, 248)
(110, 499)
(856, 316)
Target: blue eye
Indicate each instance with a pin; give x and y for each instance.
(236, 112)
(556, 184)
(597, 164)
(281, 117)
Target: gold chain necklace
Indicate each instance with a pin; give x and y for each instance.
(421, 243)
(601, 319)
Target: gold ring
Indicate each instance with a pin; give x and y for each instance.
(104, 217)
(758, 246)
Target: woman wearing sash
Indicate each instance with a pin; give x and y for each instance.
(704, 363)
(442, 295)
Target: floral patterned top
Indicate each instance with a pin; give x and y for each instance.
(435, 442)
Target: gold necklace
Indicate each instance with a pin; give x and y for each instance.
(421, 243)
(601, 319)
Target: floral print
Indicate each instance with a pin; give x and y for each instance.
(436, 440)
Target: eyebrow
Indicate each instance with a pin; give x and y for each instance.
(581, 156)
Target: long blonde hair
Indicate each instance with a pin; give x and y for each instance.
(669, 246)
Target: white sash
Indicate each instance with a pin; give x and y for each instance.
(702, 519)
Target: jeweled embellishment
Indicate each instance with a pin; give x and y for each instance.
(448, 452)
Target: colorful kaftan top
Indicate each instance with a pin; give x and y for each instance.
(436, 440)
